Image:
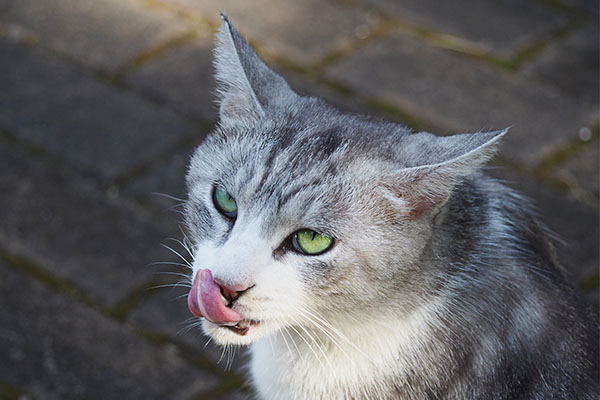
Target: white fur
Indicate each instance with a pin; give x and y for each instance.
(288, 366)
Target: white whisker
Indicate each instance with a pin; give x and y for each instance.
(177, 253)
(168, 196)
(168, 263)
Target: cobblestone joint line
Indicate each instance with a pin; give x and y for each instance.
(542, 171)
(560, 6)
(60, 285)
(193, 356)
(10, 392)
(153, 51)
(182, 13)
(228, 380)
(29, 39)
(530, 51)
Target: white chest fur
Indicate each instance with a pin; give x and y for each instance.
(304, 364)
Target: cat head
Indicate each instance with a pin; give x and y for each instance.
(299, 213)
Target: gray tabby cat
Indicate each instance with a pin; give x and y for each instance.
(363, 261)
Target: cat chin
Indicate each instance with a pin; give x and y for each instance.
(223, 335)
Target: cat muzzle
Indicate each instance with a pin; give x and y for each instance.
(207, 300)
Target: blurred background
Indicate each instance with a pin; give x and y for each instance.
(103, 101)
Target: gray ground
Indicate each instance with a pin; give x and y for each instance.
(102, 101)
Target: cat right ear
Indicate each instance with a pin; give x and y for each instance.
(246, 87)
(441, 163)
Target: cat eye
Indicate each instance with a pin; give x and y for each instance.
(224, 203)
(309, 242)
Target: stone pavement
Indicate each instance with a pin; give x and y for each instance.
(103, 101)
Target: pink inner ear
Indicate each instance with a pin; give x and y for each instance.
(422, 204)
(420, 208)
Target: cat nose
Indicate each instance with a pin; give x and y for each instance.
(232, 292)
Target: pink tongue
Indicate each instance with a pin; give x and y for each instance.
(204, 300)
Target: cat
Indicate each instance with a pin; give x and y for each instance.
(360, 260)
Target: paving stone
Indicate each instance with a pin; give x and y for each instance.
(104, 34)
(590, 6)
(571, 64)
(57, 354)
(501, 26)
(581, 173)
(575, 224)
(303, 31)
(167, 313)
(454, 93)
(163, 181)
(94, 126)
(237, 395)
(183, 76)
(62, 223)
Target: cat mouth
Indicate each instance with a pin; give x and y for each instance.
(242, 327)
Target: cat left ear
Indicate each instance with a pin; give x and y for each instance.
(441, 163)
(247, 88)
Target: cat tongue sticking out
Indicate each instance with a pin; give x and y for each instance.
(205, 301)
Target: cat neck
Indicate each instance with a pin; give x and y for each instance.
(320, 360)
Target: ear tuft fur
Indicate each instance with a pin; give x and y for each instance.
(450, 159)
(246, 87)
(237, 99)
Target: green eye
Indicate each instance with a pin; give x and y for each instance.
(309, 242)
(224, 203)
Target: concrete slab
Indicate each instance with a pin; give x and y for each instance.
(571, 65)
(93, 125)
(182, 77)
(301, 31)
(457, 94)
(501, 27)
(103, 34)
(54, 354)
(65, 225)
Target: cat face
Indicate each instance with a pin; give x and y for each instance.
(302, 236)
(300, 214)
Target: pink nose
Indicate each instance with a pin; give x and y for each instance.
(204, 300)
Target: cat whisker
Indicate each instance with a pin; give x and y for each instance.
(230, 361)
(187, 244)
(189, 327)
(284, 330)
(300, 354)
(168, 196)
(331, 329)
(172, 273)
(331, 338)
(167, 263)
(270, 341)
(318, 346)
(225, 347)
(308, 345)
(177, 254)
(174, 206)
(173, 285)
(171, 209)
(181, 296)
(281, 332)
(182, 244)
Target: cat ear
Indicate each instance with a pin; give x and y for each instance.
(247, 88)
(440, 163)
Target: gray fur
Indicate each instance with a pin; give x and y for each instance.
(431, 255)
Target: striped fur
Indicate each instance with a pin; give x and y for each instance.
(441, 283)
